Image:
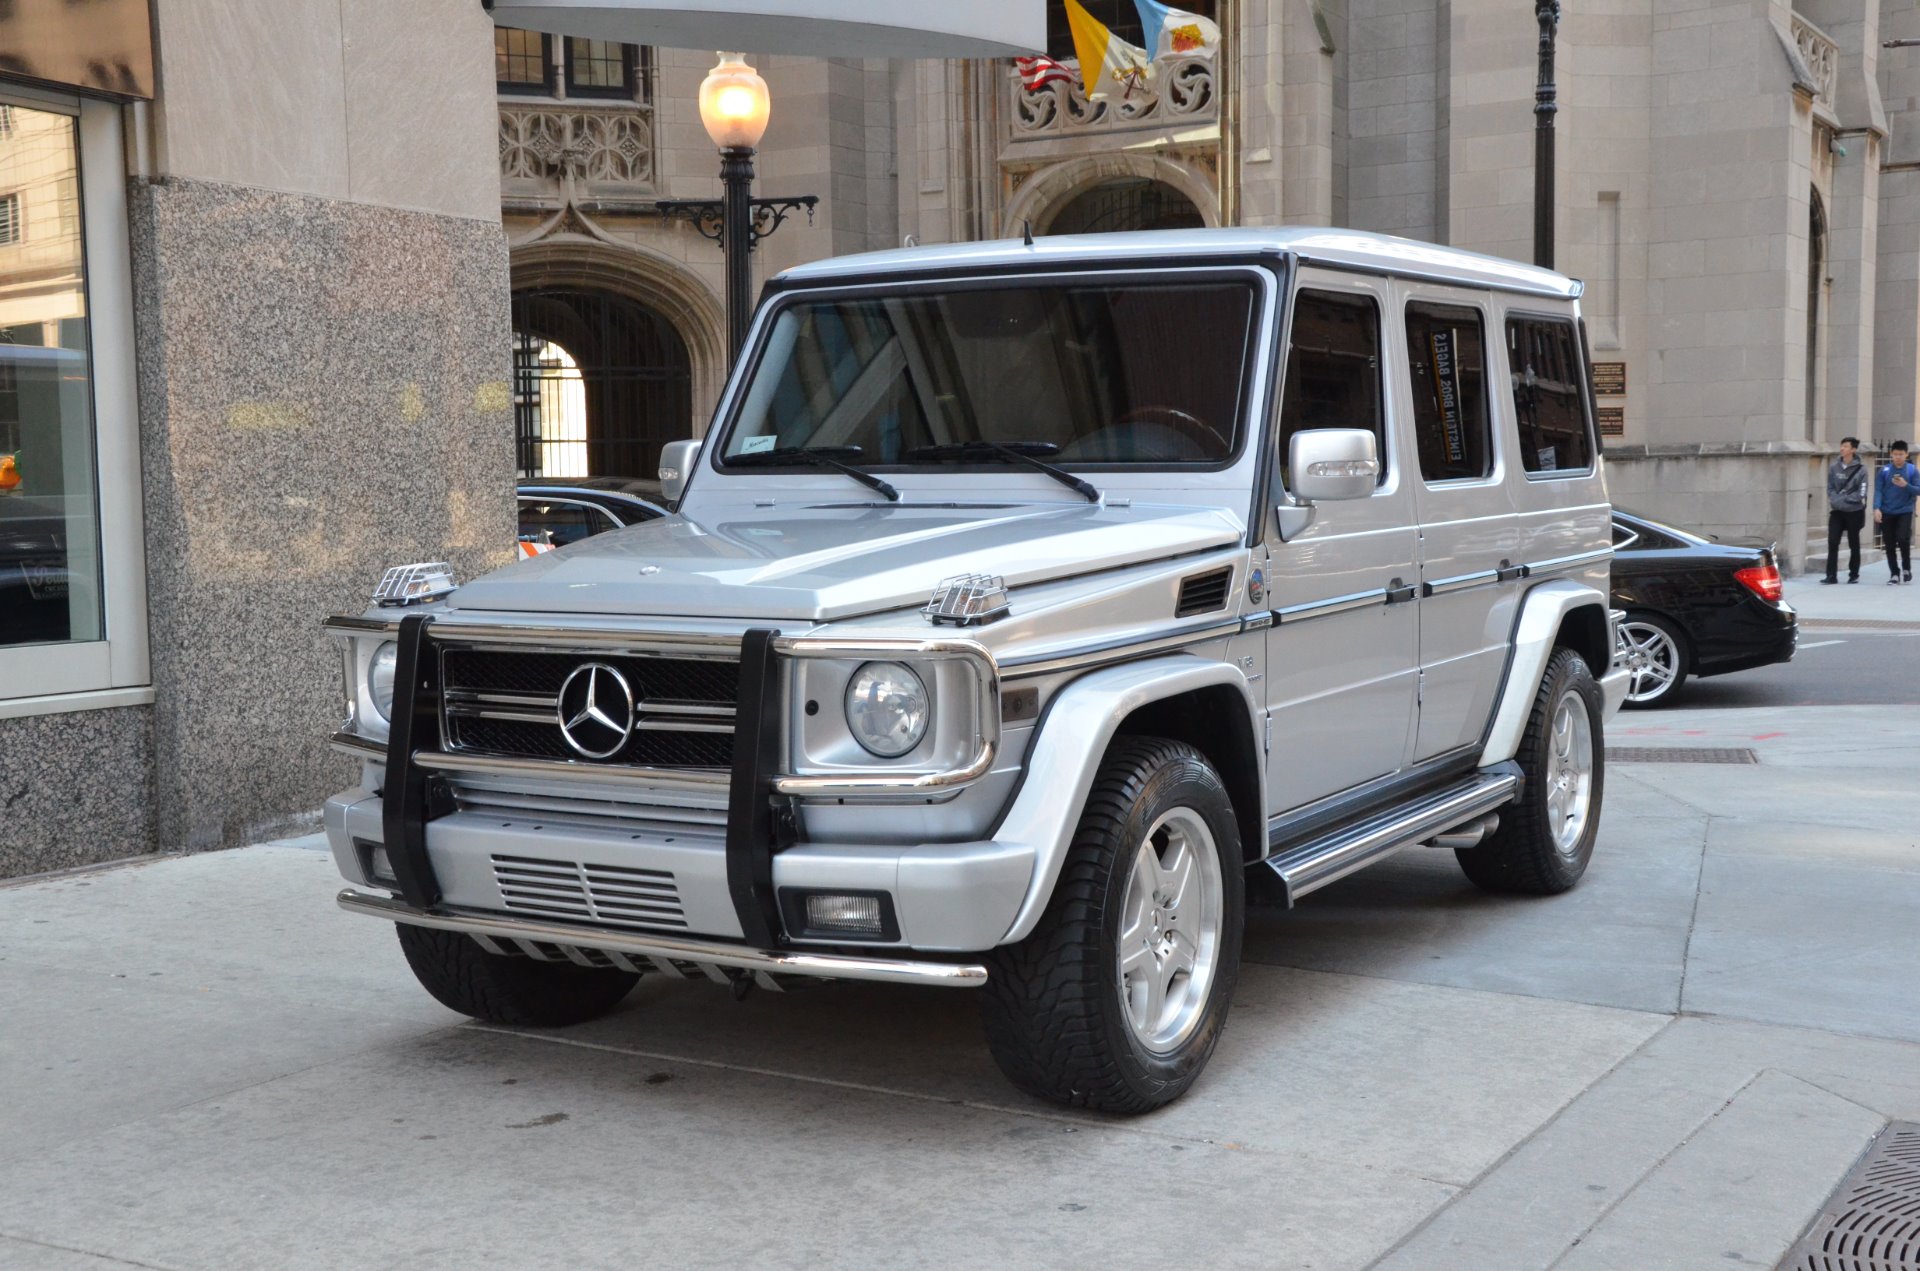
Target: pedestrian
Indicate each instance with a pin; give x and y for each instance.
(1846, 510)
(1893, 495)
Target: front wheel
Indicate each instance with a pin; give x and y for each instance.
(1118, 996)
(1545, 837)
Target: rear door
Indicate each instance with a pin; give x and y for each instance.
(1469, 533)
(1343, 653)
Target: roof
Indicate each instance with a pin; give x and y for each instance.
(1378, 253)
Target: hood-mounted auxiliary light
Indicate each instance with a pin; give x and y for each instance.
(416, 584)
(968, 600)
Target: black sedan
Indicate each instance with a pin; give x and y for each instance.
(558, 511)
(1695, 606)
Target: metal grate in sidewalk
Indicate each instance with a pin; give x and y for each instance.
(1872, 1220)
(1680, 754)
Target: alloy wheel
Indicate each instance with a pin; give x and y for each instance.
(1170, 915)
(1569, 774)
(1653, 661)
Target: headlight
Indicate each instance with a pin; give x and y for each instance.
(887, 708)
(380, 678)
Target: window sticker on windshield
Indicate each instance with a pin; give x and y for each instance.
(1549, 457)
(751, 445)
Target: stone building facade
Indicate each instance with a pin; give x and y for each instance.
(1734, 185)
(254, 347)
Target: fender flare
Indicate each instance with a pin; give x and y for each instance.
(1541, 614)
(1080, 723)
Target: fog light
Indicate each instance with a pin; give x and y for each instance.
(380, 866)
(854, 915)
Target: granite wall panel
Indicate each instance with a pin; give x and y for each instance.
(75, 789)
(324, 391)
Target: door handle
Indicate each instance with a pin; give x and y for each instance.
(1509, 571)
(1399, 593)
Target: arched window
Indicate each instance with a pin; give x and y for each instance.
(1127, 203)
(601, 382)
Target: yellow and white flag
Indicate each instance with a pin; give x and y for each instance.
(1109, 66)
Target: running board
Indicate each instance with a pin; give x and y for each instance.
(1331, 857)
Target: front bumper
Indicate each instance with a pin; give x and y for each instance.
(646, 951)
(947, 897)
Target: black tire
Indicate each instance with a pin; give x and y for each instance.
(524, 992)
(1523, 855)
(1052, 1006)
(1677, 647)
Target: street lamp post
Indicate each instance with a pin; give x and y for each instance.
(1545, 106)
(734, 105)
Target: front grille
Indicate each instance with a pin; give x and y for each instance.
(506, 702)
(610, 894)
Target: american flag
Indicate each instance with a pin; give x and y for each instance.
(1037, 72)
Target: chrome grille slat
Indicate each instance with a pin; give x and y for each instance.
(610, 894)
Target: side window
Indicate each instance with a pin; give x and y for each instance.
(1543, 354)
(1333, 370)
(1447, 353)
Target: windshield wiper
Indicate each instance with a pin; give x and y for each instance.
(1016, 452)
(818, 457)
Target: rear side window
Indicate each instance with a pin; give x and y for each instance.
(1447, 352)
(1543, 354)
(1333, 370)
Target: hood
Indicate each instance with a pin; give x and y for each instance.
(828, 563)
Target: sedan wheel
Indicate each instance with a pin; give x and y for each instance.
(1656, 664)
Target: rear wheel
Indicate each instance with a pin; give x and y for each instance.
(1118, 996)
(1656, 654)
(1545, 838)
(509, 990)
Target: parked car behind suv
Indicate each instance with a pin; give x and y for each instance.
(1023, 604)
(558, 511)
(1694, 605)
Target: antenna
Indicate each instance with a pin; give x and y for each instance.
(1026, 232)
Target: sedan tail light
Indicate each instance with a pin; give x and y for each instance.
(1762, 580)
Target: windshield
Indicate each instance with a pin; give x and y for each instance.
(1088, 373)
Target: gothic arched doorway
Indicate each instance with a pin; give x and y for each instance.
(1126, 203)
(600, 383)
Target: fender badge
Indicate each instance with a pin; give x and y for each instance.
(1256, 586)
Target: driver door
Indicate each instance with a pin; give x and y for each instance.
(1343, 654)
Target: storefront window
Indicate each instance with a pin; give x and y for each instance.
(50, 577)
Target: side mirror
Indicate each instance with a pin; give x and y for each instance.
(1332, 464)
(676, 464)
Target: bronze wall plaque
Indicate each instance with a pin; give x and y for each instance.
(94, 46)
(1610, 379)
(1613, 420)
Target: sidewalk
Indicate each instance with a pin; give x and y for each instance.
(208, 1065)
(1869, 600)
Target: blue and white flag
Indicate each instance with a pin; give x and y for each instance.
(1175, 33)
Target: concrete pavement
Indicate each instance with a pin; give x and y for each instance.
(209, 1066)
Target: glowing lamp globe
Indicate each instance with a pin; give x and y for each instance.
(734, 104)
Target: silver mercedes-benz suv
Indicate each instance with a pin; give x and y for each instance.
(1026, 609)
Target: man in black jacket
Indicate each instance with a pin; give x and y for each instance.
(1846, 510)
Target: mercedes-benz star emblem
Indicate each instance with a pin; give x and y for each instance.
(596, 710)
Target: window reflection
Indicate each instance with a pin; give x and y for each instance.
(49, 530)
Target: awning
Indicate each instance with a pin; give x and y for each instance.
(817, 28)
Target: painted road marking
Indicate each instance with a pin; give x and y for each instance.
(1819, 644)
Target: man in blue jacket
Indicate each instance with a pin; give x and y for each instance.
(1893, 496)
